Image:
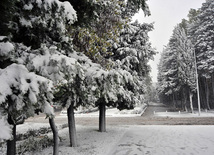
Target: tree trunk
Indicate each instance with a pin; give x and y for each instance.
(102, 117)
(181, 100)
(207, 93)
(11, 144)
(71, 126)
(174, 102)
(185, 100)
(213, 83)
(202, 92)
(55, 136)
(190, 101)
(212, 90)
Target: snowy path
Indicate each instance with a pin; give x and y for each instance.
(166, 140)
(147, 135)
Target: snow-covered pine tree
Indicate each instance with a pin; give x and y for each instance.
(47, 25)
(168, 84)
(202, 35)
(176, 71)
(132, 53)
(94, 41)
(186, 62)
(46, 43)
(133, 6)
(22, 92)
(126, 91)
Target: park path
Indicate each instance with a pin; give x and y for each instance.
(165, 136)
(152, 135)
(165, 140)
(154, 107)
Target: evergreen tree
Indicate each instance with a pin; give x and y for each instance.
(132, 53)
(203, 38)
(201, 32)
(96, 42)
(176, 70)
(37, 51)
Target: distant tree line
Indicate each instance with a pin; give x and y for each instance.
(191, 46)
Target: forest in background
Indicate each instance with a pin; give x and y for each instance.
(189, 54)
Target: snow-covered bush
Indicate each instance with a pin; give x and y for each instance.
(23, 92)
(33, 144)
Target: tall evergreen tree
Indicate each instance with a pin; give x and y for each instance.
(202, 35)
(178, 65)
(36, 50)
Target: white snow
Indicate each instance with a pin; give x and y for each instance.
(25, 22)
(5, 47)
(134, 140)
(166, 140)
(48, 109)
(139, 140)
(68, 8)
(23, 128)
(28, 7)
(112, 112)
(209, 113)
(5, 129)
(28, 83)
(2, 37)
(90, 141)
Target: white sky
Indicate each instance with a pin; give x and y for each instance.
(166, 14)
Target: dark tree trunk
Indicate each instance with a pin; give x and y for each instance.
(190, 101)
(102, 117)
(55, 136)
(207, 93)
(202, 92)
(185, 100)
(212, 95)
(174, 102)
(181, 99)
(213, 84)
(11, 144)
(71, 126)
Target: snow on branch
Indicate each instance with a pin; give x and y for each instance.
(23, 88)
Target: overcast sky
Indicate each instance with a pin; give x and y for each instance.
(166, 14)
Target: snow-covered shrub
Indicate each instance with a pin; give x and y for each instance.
(34, 144)
(24, 92)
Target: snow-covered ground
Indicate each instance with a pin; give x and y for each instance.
(135, 140)
(112, 112)
(209, 113)
(140, 140)
(166, 140)
(143, 140)
(90, 141)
